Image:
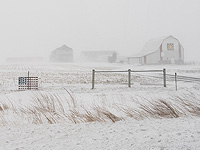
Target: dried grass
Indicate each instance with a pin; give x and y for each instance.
(159, 109)
(50, 109)
(1, 108)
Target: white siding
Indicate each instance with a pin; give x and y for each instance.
(142, 60)
(182, 53)
(153, 58)
(170, 55)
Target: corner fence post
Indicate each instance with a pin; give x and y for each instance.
(164, 77)
(176, 81)
(93, 74)
(129, 77)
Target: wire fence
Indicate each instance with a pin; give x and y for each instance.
(175, 78)
(171, 77)
(159, 76)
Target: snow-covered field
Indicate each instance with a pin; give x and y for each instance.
(65, 113)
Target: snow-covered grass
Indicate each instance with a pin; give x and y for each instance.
(61, 84)
(51, 108)
(145, 116)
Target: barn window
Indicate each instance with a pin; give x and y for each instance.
(170, 46)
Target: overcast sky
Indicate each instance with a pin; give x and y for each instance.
(36, 27)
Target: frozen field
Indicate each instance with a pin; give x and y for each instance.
(65, 113)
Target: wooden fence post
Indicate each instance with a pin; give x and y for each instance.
(176, 81)
(164, 77)
(93, 74)
(129, 77)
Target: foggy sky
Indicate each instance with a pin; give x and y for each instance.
(36, 27)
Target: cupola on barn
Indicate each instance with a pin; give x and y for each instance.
(163, 50)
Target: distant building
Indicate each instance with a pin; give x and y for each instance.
(62, 54)
(164, 50)
(122, 59)
(99, 56)
(25, 60)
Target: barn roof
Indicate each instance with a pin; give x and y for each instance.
(151, 46)
(64, 47)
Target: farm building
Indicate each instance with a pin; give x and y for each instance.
(164, 50)
(99, 56)
(62, 54)
(25, 60)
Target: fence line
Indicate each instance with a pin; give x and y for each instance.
(129, 74)
(109, 71)
(177, 78)
(171, 77)
(166, 77)
(176, 84)
(131, 71)
(184, 78)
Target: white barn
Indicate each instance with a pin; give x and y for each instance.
(164, 50)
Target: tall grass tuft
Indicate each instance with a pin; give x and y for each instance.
(49, 108)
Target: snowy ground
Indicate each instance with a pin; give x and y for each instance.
(151, 134)
(71, 84)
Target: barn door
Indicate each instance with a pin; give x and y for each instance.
(145, 60)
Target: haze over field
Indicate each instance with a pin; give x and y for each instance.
(35, 28)
(119, 103)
